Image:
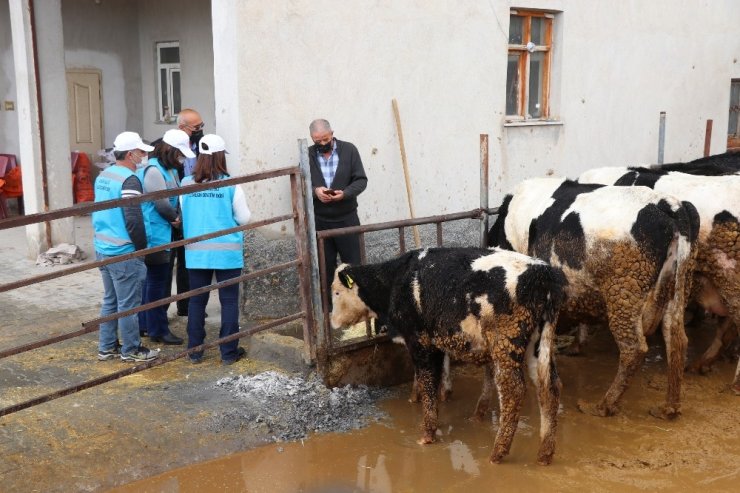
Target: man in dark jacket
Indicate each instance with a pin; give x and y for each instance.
(338, 178)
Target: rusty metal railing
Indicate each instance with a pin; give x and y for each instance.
(302, 262)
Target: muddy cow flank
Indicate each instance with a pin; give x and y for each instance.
(627, 255)
(716, 275)
(477, 305)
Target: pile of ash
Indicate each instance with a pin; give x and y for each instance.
(293, 407)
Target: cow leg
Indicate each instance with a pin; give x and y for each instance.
(415, 394)
(704, 362)
(484, 401)
(625, 324)
(676, 343)
(445, 384)
(428, 374)
(548, 395)
(575, 348)
(511, 389)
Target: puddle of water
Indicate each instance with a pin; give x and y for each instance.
(628, 452)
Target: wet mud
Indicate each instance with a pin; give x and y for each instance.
(631, 451)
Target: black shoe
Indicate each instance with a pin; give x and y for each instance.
(169, 339)
(240, 353)
(142, 333)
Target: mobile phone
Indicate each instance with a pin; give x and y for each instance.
(329, 191)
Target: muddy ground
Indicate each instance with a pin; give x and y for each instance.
(632, 451)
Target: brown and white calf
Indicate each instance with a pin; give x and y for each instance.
(717, 272)
(478, 305)
(627, 255)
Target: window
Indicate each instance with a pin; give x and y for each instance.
(733, 126)
(528, 65)
(168, 77)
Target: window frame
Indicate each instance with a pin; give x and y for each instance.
(170, 68)
(523, 74)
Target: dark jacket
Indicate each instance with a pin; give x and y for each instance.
(349, 178)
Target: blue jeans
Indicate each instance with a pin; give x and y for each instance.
(154, 320)
(122, 291)
(229, 298)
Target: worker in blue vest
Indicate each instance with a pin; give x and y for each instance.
(206, 212)
(160, 173)
(119, 231)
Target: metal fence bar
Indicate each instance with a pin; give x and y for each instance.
(304, 269)
(439, 234)
(315, 258)
(92, 325)
(139, 253)
(88, 207)
(145, 366)
(328, 233)
(402, 239)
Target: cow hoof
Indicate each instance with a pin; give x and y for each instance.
(665, 412)
(573, 350)
(736, 389)
(414, 399)
(425, 440)
(544, 461)
(600, 410)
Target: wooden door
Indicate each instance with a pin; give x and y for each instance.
(85, 112)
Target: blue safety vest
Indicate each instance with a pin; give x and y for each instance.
(111, 237)
(206, 212)
(158, 229)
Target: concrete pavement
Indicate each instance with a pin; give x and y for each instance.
(109, 435)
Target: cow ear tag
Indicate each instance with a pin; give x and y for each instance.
(350, 281)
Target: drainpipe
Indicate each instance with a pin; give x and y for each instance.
(42, 143)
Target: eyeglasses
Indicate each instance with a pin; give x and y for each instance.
(197, 127)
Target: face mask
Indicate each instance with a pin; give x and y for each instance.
(324, 148)
(139, 160)
(196, 136)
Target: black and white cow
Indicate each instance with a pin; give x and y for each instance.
(478, 305)
(727, 163)
(626, 253)
(717, 273)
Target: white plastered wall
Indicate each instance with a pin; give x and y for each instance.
(8, 119)
(445, 63)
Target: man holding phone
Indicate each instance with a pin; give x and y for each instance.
(338, 178)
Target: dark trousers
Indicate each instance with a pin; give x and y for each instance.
(154, 320)
(229, 298)
(181, 277)
(348, 246)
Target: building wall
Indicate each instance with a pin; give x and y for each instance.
(8, 119)
(190, 23)
(445, 63)
(105, 37)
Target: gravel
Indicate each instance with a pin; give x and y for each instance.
(292, 407)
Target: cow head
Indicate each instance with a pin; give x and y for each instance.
(348, 308)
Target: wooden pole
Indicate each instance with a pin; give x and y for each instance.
(396, 114)
(708, 138)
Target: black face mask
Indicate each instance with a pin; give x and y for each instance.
(324, 148)
(196, 136)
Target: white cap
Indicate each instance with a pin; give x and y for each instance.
(211, 143)
(128, 141)
(179, 139)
